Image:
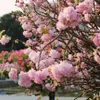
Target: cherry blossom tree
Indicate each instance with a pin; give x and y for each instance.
(63, 45)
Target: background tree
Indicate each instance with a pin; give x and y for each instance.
(12, 28)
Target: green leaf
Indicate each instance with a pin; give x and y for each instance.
(16, 41)
(1, 33)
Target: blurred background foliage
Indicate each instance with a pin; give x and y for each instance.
(12, 27)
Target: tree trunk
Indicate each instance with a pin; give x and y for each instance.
(51, 95)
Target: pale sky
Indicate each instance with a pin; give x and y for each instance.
(7, 6)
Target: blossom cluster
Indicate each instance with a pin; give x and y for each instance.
(63, 44)
(15, 59)
(5, 39)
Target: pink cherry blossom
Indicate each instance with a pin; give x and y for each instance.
(24, 80)
(96, 39)
(13, 74)
(38, 78)
(97, 58)
(32, 74)
(43, 64)
(79, 55)
(23, 19)
(29, 42)
(39, 29)
(70, 57)
(5, 39)
(46, 37)
(31, 1)
(68, 18)
(87, 17)
(27, 26)
(83, 65)
(66, 68)
(20, 3)
(54, 54)
(85, 6)
(76, 69)
(60, 26)
(50, 87)
(79, 41)
(56, 73)
(50, 61)
(28, 51)
(33, 56)
(43, 55)
(27, 34)
(42, 74)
